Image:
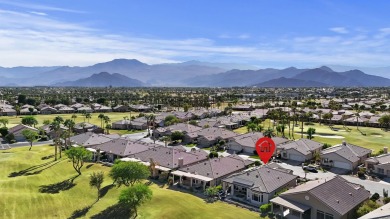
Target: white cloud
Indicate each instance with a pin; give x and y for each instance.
(244, 36)
(38, 6)
(38, 13)
(341, 30)
(30, 39)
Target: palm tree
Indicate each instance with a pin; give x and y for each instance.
(56, 127)
(166, 139)
(149, 119)
(269, 133)
(88, 116)
(320, 116)
(101, 116)
(107, 120)
(70, 125)
(17, 109)
(302, 117)
(74, 116)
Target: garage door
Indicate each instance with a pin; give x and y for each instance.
(297, 157)
(342, 165)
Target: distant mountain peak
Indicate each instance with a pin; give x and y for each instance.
(103, 79)
(326, 68)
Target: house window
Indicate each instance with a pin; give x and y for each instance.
(284, 154)
(257, 197)
(326, 160)
(381, 171)
(323, 215)
(296, 213)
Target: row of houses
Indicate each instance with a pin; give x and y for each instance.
(344, 156)
(9, 110)
(192, 169)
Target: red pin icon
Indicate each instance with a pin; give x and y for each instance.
(265, 148)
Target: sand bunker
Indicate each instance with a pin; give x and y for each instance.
(329, 136)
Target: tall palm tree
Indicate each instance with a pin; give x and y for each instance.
(101, 116)
(107, 120)
(70, 125)
(302, 117)
(56, 127)
(88, 116)
(320, 116)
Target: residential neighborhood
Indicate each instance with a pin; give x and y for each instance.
(211, 152)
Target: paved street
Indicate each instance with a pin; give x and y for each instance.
(23, 144)
(373, 187)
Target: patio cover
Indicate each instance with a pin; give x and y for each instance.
(130, 159)
(290, 204)
(194, 176)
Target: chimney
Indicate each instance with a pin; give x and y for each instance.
(385, 150)
(344, 143)
(181, 162)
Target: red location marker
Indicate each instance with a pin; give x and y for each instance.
(265, 148)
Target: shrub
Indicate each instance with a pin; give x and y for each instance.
(3, 131)
(10, 138)
(385, 193)
(367, 207)
(213, 154)
(257, 163)
(386, 200)
(375, 197)
(326, 145)
(360, 174)
(265, 208)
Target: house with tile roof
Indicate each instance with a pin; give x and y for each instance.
(246, 142)
(170, 158)
(209, 172)
(90, 139)
(209, 136)
(87, 127)
(181, 127)
(300, 150)
(259, 185)
(48, 110)
(18, 130)
(333, 198)
(380, 164)
(345, 156)
(122, 147)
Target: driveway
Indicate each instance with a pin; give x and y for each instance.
(372, 186)
(298, 171)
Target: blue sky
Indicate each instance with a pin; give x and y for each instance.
(273, 33)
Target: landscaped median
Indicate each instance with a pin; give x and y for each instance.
(33, 185)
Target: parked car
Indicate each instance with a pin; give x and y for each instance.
(310, 169)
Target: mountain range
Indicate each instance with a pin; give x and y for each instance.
(103, 79)
(131, 72)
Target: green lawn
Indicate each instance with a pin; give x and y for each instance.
(33, 186)
(114, 116)
(374, 138)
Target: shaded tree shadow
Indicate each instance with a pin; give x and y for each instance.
(89, 166)
(80, 212)
(105, 189)
(30, 171)
(47, 157)
(57, 187)
(117, 211)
